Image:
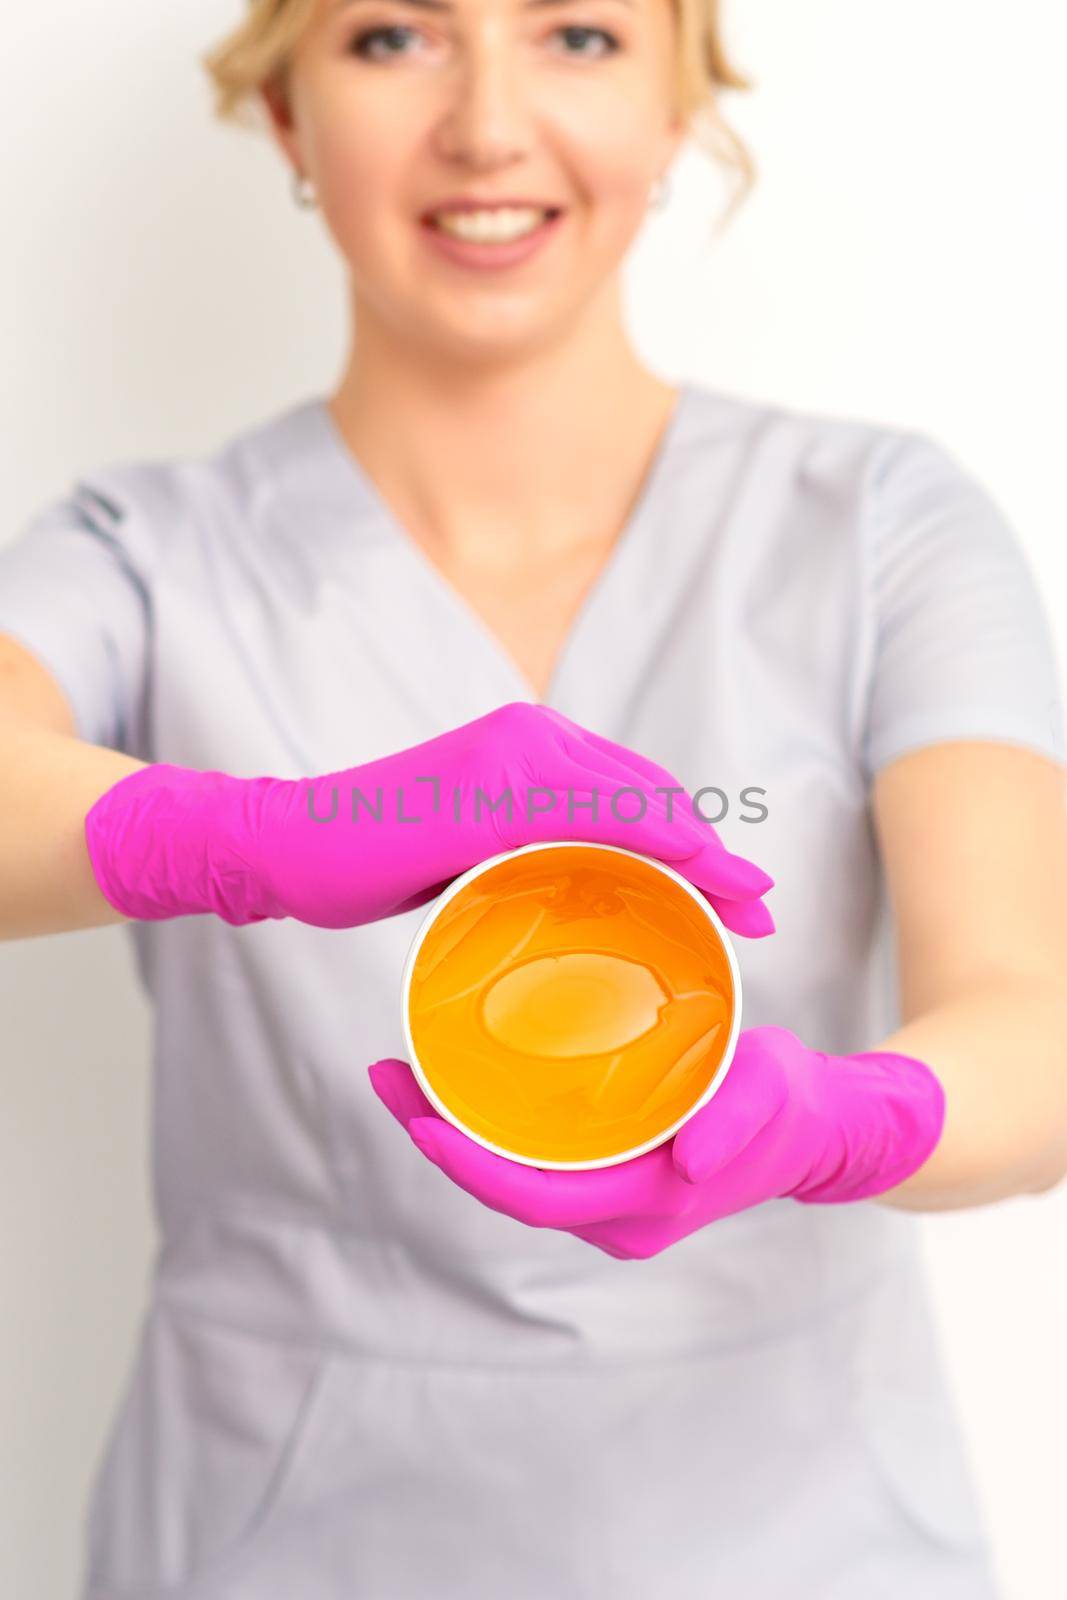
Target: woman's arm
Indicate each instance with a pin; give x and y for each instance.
(974, 840)
(50, 780)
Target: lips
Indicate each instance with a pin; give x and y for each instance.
(484, 252)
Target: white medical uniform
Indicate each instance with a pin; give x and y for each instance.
(353, 1380)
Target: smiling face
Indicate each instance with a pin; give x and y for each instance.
(397, 107)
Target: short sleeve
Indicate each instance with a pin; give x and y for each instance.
(961, 642)
(74, 593)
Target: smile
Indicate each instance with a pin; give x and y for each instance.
(490, 238)
(500, 225)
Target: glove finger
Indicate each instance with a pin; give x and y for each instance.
(725, 873)
(398, 1089)
(680, 839)
(749, 918)
(542, 1198)
(720, 870)
(613, 766)
(750, 1096)
(650, 771)
(645, 830)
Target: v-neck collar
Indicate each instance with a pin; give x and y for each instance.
(368, 521)
(426, 637)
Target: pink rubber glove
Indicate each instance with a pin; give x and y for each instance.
(786, 1121)
(169, 841)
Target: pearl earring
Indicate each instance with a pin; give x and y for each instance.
(303, 191)
(660, 194)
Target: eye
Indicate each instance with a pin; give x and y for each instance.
(572, 30)
(393, 35)
(360, 45)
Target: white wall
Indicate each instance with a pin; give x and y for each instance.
(903, 259)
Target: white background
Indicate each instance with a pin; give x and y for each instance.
(903, 259)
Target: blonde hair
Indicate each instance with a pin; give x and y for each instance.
(257, 53)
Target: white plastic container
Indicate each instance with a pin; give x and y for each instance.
(434, 911)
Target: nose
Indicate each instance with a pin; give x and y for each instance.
(484, 123)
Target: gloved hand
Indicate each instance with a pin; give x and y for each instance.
(786, 1121)
(168, 841)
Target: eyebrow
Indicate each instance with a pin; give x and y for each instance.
(442, 5)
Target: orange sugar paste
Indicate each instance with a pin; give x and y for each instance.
(570, 1004)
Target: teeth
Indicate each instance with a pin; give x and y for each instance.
(495, 226)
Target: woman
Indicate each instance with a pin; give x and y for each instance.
(369, 1375)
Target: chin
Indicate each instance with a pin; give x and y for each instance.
(485, 334)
